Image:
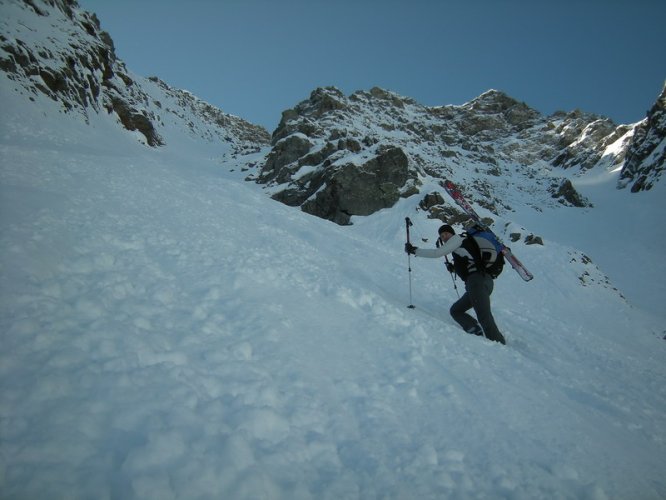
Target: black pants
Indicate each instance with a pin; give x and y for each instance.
(478, 289)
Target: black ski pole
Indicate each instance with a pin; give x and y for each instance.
(438, 244)
(453, 278)
(408, 223)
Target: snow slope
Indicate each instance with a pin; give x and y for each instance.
(168, 331)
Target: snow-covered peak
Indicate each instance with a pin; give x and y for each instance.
(494, 142)
(58, 50)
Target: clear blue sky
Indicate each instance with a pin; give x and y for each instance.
(256, 58)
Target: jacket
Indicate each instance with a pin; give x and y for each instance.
(459, 248)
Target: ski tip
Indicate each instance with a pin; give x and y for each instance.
(525, 274)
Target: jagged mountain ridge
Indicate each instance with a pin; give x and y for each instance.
(399, 144)
(333, 155)
(54, 48)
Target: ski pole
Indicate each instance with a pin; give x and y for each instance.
(453, 278)
(408, 223)
(438, 244)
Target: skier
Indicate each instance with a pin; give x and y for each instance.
(478, 283)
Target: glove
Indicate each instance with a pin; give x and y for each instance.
(409, 248)
(450, 268)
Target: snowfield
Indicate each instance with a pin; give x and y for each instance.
(169, 331)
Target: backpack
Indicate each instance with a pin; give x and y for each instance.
(484, 260)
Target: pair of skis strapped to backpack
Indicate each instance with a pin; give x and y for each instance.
(457, 196)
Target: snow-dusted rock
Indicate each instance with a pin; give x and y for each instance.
(646, 155)
(54, 48)
(496, 138)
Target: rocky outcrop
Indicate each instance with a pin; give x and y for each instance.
(72, 61)
(321, 142)
(583, 140)
(75, 64)
(361, 190)
(567, 195)
(646, 155)
(337, 193)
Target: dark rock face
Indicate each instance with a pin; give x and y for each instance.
(284, 154)
(337, 193)
(646, 155)
(353, 190)
(567, 195)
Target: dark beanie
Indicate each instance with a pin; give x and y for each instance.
(446, 228)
